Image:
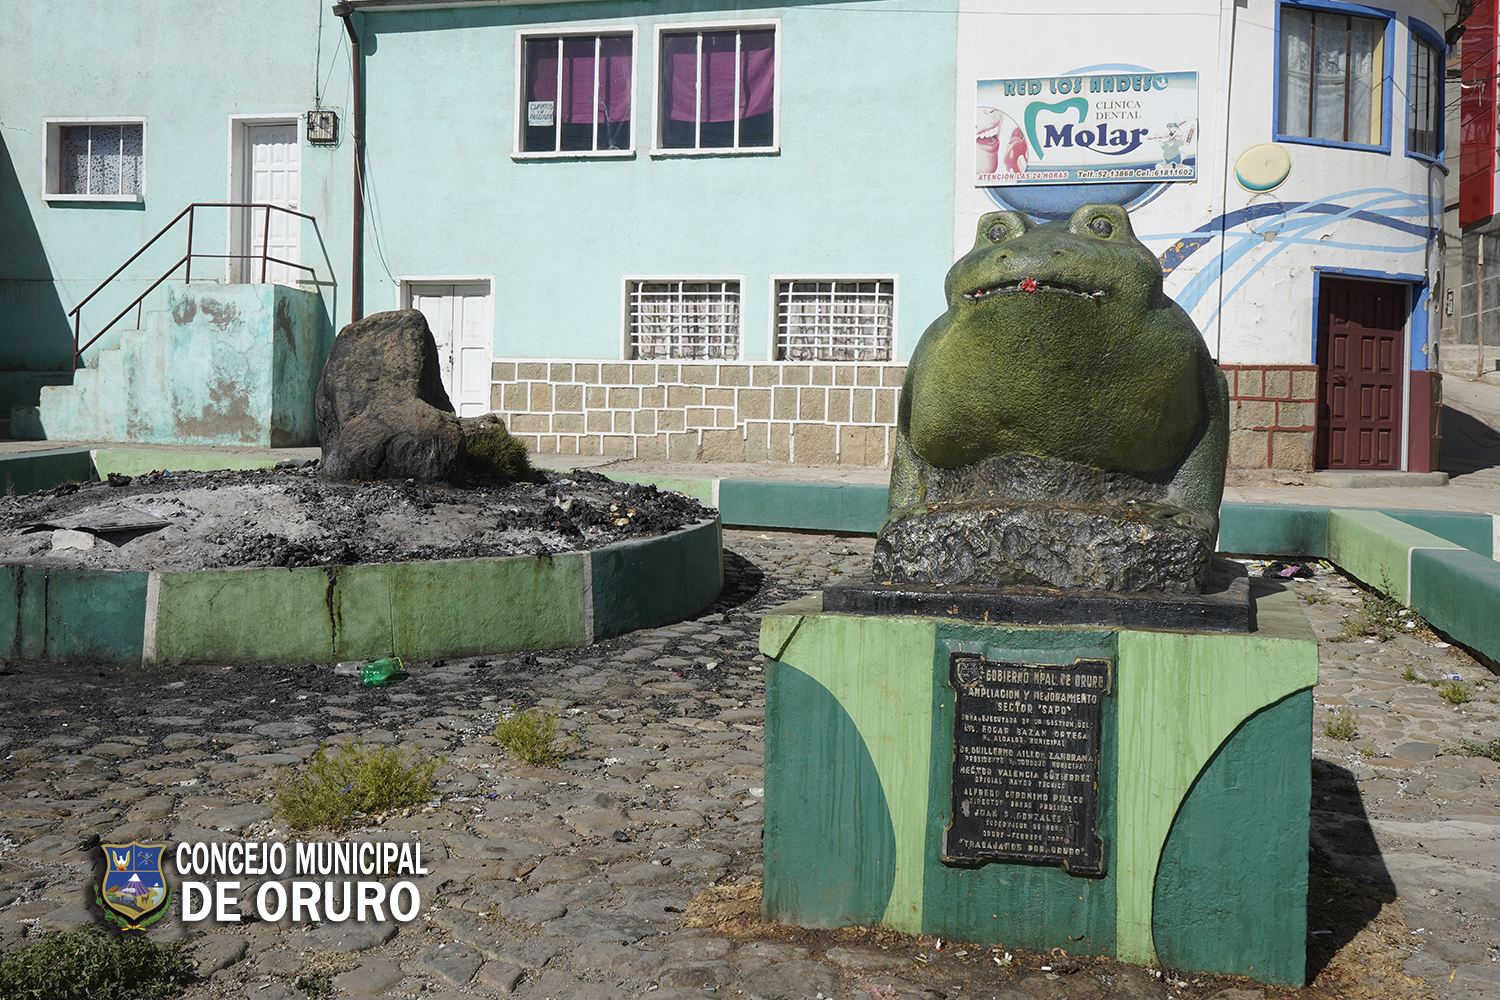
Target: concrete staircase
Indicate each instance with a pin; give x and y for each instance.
(221, 365)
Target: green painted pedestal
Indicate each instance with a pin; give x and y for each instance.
(1203, 801)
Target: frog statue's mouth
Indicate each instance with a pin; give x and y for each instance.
(1030, 286)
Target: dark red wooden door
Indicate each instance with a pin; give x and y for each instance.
(1361, 339)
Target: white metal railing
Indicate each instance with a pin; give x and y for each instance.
(685, 319)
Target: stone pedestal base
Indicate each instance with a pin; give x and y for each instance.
(1122, 548)
(1203, 763)
(1224, 605)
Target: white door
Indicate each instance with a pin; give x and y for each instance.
(273, 175)
(459, 315)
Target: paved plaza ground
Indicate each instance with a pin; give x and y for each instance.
(633, 868)
(580, 880)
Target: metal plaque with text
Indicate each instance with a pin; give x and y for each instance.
(1026, 742)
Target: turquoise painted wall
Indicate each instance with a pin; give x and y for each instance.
(26, 289)
(224, 365)
(863, 183)
(186, 68)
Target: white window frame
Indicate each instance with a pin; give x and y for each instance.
(773, 347)
(739, 331)
(689, 27)
(1417, 34)
(519, 131)
(52, 129)
(1387, 71)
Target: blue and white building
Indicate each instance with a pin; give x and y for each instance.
(716, 231)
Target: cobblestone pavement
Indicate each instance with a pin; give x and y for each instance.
(582, 880)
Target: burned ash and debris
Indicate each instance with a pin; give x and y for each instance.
(291, 518)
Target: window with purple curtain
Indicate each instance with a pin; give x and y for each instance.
(718, 89)
(575, 93)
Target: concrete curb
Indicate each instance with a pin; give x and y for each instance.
(450, 607)
(28, 472)
(1438, 563)
(1459, 592)
(1421, 552)
(1377, 480)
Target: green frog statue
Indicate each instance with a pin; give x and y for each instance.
(1062, 425)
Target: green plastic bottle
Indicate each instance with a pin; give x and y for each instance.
(381, 672)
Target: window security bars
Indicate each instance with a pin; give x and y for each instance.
(717, 89)
(102, 159)
(685, 319)
(834, 320)
(576, 94)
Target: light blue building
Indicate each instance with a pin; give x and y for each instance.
(717, 230)
(597, 181)
(592, 184)
(117, 117)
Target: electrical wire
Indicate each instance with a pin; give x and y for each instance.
(318, 63)
(344, 37)
(372, 212)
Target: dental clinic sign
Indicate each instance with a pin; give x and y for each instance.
(1089, 128)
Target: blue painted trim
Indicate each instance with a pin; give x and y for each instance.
(1312, 351)
(1417, 291)
(1333, 270)
(1434, 38)
(1250, 214)
(1420, 329)
(1341, 7)
(1186, 244)
(1355, 10)
(1302, 140)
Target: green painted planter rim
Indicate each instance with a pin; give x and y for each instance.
(664, 555)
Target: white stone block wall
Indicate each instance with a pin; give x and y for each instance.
(811, 413)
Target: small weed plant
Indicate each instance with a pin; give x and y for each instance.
(1473, 748)
(316, 977)
(1382, 617)
(317, 985)
(531, 737)
(493, 451)
(1457, 692)
(1409, 674)
(28, 757)
(92, 965)
(1342, 726)
(354, 778)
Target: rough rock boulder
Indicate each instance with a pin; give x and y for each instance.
(381, 407)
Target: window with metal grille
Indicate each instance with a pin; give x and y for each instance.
(684, 319)
(1331, 78)
(717, 89)
(104, 161)
(575, 93)
(835, 320)
(1424, 108)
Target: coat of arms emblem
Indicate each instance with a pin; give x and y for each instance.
(134, 891)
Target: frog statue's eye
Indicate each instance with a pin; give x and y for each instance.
(998, 227)
(1101, 227)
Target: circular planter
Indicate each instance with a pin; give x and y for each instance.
(415, 610)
